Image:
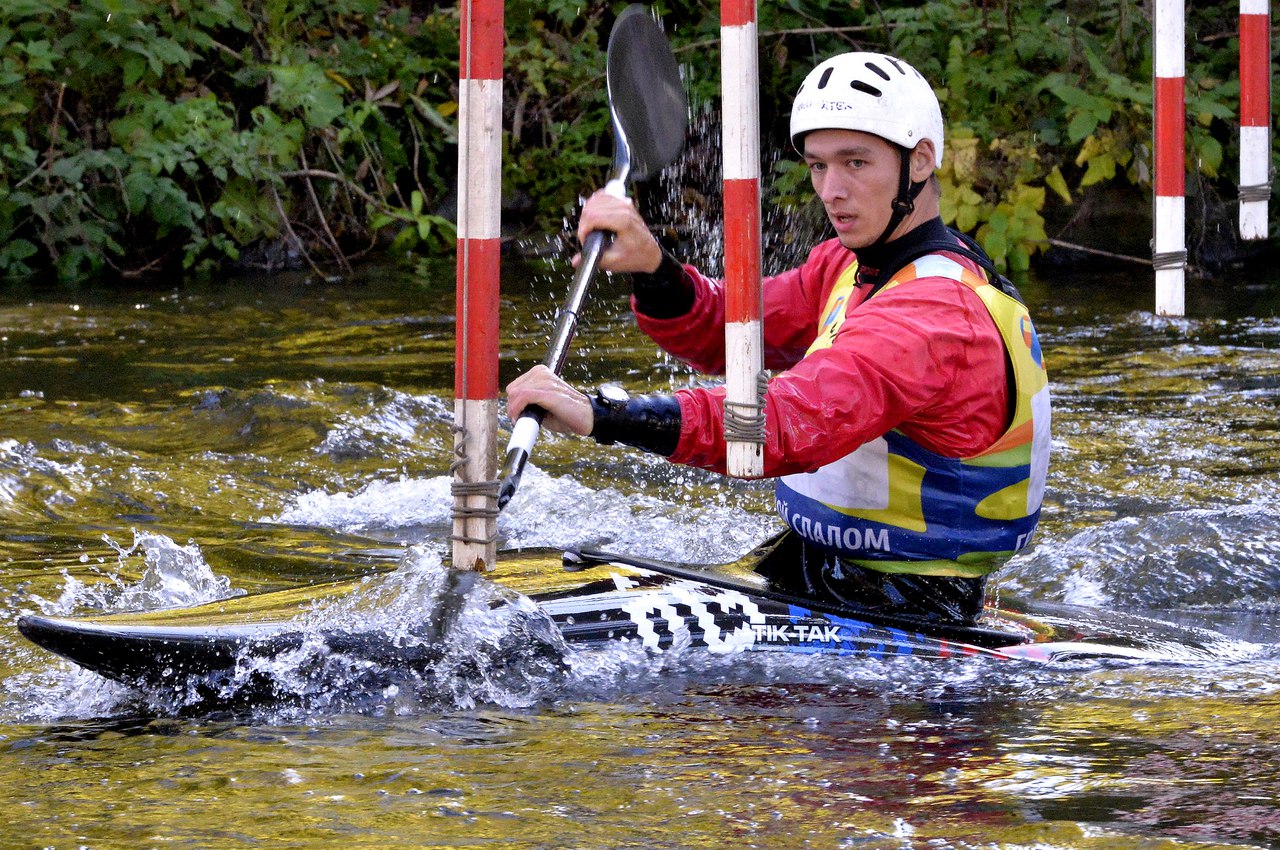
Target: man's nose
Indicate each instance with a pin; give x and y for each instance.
(833, 188)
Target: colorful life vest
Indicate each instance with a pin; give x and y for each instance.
(894, 506)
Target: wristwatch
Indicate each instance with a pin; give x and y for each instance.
(607, 406)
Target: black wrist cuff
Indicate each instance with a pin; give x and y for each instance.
(666, 293)
(648, 422)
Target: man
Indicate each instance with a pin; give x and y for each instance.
(908, 424)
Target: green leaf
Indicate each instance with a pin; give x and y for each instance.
(306, 88)
(19, 9)
(138, 186)
(434, 117)
(1055, 181)
(69, 169)
(1082, 126)
(1019, 258)
(1208, 155)
(1102, 167)
(40, 56)
(134, 66)
(170, 208)
(12, 255)
(246, 212)
(169, 52)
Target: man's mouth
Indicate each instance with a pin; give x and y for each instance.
(841, 220)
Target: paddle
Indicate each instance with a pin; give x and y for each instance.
(649, 112)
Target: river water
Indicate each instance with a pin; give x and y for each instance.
(164, 446)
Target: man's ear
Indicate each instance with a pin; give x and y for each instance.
(922, 159)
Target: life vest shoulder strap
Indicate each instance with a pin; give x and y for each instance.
(970, 250)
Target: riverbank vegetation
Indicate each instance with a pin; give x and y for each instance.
(139, 136)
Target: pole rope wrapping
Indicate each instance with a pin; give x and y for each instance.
(744, 421)
(1260, 192)
(1169, 260)
(464, 490)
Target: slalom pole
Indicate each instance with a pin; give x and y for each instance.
(744, 339)
(475, 486)
(1169, 247)
(1255, 117)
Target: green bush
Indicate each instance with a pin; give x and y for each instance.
(1046, 103)
(137, 135)
(140, 135)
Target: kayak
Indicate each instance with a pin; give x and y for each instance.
(586, 599)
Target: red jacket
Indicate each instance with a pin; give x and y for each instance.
(924, 357)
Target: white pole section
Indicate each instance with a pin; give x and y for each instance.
(1255, 117)
(475, 485)
(1169, 248)
(744, 338)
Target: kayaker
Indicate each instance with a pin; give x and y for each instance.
(907, 419)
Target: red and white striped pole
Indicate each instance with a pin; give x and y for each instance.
(1169, 248)
(1255, 117)
(744, 339)
(475, 485)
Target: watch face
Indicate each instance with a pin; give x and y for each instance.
(614, 394)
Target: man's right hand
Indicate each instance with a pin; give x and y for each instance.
(568, 411)
(634, 249)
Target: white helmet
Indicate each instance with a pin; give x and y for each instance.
(872, 93)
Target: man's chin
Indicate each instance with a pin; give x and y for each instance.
(852, 241)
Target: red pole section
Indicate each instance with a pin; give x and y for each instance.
(475, 485)
(744, 339)
(1169, 248)
(1255, 117)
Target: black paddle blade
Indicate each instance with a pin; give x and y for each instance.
(646, 96)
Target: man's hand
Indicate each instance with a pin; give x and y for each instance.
(568, 411)
(634, 249)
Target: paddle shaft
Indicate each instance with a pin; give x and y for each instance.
(524, 434)
(598, 241)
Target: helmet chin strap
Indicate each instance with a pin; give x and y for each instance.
(905, 203)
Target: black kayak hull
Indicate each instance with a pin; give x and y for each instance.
(591, 598)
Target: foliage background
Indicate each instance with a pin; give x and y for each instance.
(138, 136)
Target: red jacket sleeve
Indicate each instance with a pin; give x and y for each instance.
(923, 356)
(792, 302)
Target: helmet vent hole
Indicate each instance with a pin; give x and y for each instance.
(878, 71)
(867, 88)
(826, 75)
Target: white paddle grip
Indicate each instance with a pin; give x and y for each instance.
(616, 187)
(524, 434)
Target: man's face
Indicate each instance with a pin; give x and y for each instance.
(856, 176)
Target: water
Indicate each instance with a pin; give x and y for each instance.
(169, 446)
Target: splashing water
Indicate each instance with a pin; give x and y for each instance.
(403, 503)
(418, 637)
(172, 575)
(425, 634)
(548, 510)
